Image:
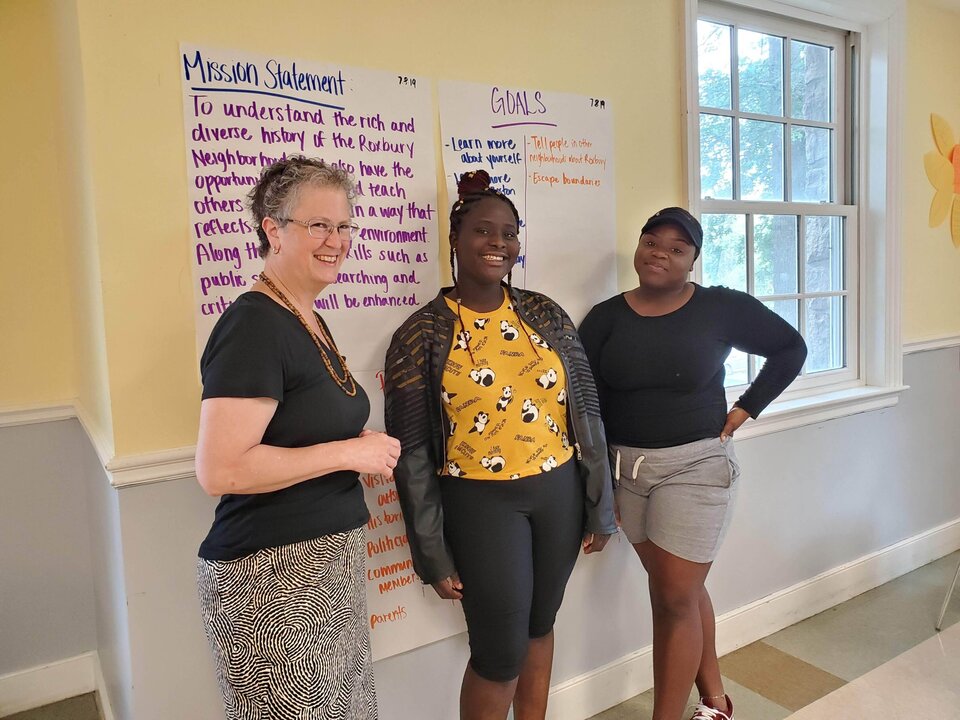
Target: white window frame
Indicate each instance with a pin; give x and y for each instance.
(840, 204)
(871, 235)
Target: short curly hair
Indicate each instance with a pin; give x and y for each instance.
(278, 189)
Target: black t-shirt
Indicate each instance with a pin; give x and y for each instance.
(260, 349)
(660, 379)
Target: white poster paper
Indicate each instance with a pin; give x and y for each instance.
(552, 155)
(243, 112)
(404, 613)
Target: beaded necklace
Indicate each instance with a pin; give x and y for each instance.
(347, 383)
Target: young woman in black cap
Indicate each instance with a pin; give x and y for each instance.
(658, 355)
(503, 475)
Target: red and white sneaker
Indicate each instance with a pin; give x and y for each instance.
(705, 712)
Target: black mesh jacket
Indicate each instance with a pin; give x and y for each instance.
(414, 415)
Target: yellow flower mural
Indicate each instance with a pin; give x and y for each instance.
(943, 172)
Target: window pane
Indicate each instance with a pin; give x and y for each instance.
(716, 157)
(725, 250)
(823, 248)
(810, 81)
(761, 160)
(787, 309)
(811, 168)
(775, 254)
(713, 64)
(760, 72)
(824, 333)
(736, 369)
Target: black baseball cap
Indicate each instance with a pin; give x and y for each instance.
(678, 216)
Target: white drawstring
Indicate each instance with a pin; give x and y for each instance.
(636, 467)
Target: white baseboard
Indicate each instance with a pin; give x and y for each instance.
(47, 684)
(782, 609)
(39, 686)
(103, 697)
(602, 688)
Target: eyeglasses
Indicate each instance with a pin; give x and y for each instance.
(321, 229)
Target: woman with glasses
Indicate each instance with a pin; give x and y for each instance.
(281, 573)
(658, 354)
(503, 475)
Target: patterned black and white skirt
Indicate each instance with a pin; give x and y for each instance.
(288, 631)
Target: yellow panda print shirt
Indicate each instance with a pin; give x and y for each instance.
(506, 406)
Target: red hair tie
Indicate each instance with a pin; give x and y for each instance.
(473, 182)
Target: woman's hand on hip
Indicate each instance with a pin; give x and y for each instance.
(593, 542)
(375, 453)
(450, 588)
(735, 418)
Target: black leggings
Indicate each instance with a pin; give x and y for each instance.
(514, 543)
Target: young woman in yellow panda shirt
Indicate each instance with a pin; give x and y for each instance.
(503, 474)
(505, 399)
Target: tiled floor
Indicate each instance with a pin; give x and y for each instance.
(83, 707)
(875, 656)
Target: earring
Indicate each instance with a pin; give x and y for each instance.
(276, 249)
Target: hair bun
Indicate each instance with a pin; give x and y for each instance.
(475, 181)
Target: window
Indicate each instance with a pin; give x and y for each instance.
(774, 179)
(847, 254)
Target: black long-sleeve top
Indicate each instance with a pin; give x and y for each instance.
(660, 379)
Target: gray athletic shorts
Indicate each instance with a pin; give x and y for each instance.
(680, 498)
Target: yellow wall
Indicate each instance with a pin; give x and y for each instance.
(36, 340)
(76, 182)
(116, 257)
(931, 264)
(627, 51)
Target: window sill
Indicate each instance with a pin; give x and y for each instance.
(797, 412)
